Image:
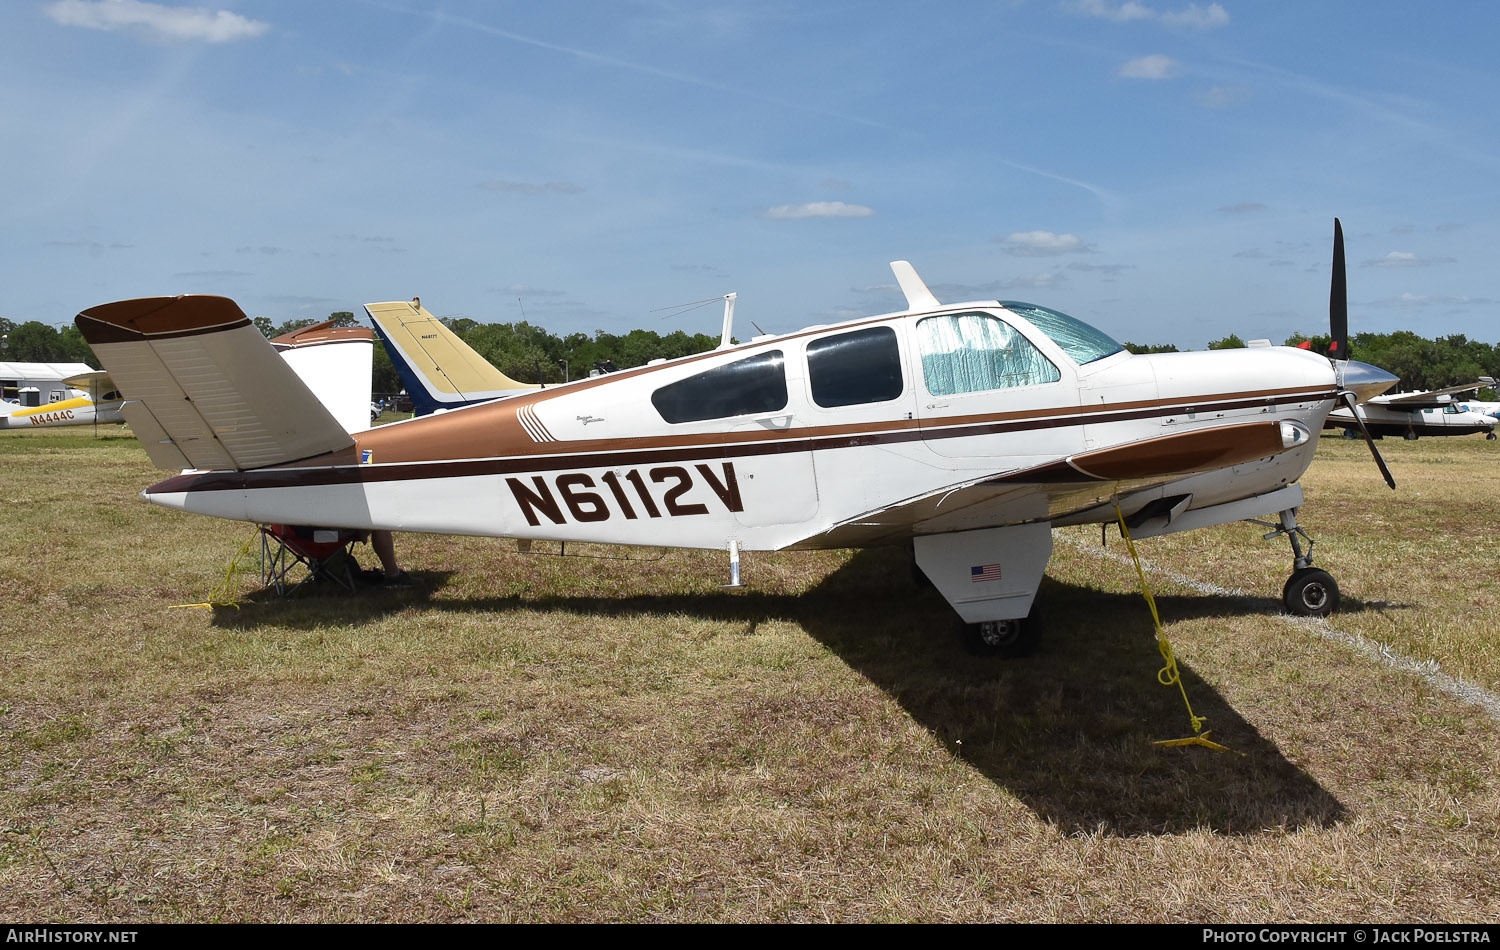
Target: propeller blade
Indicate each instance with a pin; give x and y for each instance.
(1338, 299)
(1347, 398)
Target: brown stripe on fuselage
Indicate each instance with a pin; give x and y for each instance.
(493, 430)
(528, 456)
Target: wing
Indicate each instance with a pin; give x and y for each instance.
(204, 388)
(1063, 487)
(439, 370)
(1432, 399)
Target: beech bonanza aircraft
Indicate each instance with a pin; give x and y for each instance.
(93, 400)
(1412, 415)
(966, 430)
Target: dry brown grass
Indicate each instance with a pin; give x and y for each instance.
(533, 738)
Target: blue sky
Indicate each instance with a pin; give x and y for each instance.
(1168, 171)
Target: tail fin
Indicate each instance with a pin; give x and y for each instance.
(335, 363)
(439, 370)
(204, 388)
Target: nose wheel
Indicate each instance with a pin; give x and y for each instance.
(1008, 638)
(1310, 591)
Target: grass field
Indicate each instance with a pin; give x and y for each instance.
(527, 738)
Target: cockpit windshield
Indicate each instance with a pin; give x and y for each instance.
(1077, 339)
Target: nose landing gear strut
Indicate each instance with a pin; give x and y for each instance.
(1310, 591)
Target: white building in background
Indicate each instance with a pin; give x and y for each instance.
(36, 384)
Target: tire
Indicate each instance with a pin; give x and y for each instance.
(1009, 638)
(1311, 592)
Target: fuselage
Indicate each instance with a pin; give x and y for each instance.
(832, 436)
(76, 411)
(1451, 419)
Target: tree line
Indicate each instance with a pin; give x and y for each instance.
(531, 354)
(37, 342)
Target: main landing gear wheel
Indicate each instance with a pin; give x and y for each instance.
(1490, 436)
(1311, 592)
(1002, 637)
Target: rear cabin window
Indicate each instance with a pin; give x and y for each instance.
(855, 368)
(755, 384)
(975, 352)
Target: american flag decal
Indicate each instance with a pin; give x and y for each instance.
(984, 572)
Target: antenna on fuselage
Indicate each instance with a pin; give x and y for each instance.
(728, 299)
(728, 319)
(918, 297)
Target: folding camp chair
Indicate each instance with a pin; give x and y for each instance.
(323, 551)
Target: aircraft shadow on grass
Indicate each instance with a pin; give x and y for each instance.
(1069, 730)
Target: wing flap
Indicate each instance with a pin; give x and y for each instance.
(211, 383)
(161, 449)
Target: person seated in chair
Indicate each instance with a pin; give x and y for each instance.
(385, 549)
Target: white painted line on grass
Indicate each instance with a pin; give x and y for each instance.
(1429, 670)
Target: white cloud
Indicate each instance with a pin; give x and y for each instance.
(1222, 97)
(818, 209)
(1043, 244)
(1191, 17)
(1195, 17)
(1110, 270)
(1406, 259)
(157, 21)
(533, 188)
(526, 290)
(1410, 301)
(1155, 66)
(1118, 12)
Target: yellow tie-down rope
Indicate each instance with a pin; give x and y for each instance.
(227, 592)
(1167, 675)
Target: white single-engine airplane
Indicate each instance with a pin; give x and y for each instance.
(967, 430)
(94, 400)
(1412, 415)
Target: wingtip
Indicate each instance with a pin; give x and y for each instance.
(158, 316)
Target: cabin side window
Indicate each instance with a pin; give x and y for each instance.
(852, 369)
(755, 384)
(975, 352)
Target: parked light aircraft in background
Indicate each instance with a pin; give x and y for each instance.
(967, 430)
(438, 369)
(339, 377)
(1491, 409)
(336, 364)
(93, 400)
(1412, 415)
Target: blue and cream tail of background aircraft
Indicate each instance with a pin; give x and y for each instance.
(966, 431)
(438, 369)
(1412, 415)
